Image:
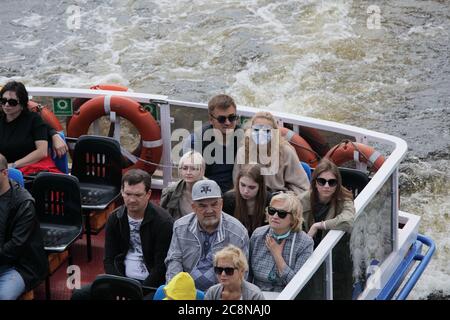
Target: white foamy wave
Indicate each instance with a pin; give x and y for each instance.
(18, 44)
(430, 199)
(425, 31)
(33, 20)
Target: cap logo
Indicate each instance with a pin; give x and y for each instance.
(205, 189)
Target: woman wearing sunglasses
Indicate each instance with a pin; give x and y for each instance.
(264, 144)
(328, 205)
(23, 134)
(177, 198)
(279, 250)
(249, 198)
(230, 266)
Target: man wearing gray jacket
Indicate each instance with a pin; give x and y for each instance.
(199, 235)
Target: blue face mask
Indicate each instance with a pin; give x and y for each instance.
(261, 134)
(280, 237)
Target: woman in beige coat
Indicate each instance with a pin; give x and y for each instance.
(328, 205)
(263, 144)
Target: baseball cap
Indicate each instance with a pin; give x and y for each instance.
(205, 189)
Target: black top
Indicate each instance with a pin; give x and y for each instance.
(21, 243)
(229, 205)
(221, 171)
(17, 138)
(156, 234)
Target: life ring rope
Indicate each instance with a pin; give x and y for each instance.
(357, 154)
(302, 147)
(304, 151)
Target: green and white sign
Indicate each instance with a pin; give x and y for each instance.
(62, 107)
(153, 109)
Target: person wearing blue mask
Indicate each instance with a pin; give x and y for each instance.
(263, 144)
(279, 249)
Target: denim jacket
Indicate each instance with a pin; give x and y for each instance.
(185, 248)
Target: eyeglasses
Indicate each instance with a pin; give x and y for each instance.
(11, 102)
(228, 271)
(321, 182)
(281, 213)
(222, 119)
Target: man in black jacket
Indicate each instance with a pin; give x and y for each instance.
(221, 136)
(138, 235)
(23, 261)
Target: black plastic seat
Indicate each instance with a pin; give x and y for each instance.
(354, 180)
(111, 287)
(58, 208)
(97, 163)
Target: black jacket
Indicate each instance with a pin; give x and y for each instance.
(21, 243)
(156, 234)
(222, 172)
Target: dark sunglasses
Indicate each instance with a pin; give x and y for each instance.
(281, 213)
(222, 119)
(322, 182)
(11, 102)
(228, 271)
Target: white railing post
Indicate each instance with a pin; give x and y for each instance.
(329, 276)
(167, 143)
(395, 198)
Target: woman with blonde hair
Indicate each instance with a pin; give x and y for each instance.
(249, 198)
(279, 250)
(177, 198)
(264, 144)
(328, 205)
(230, 266)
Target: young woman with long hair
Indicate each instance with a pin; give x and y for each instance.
(328, 205)
(248, 200)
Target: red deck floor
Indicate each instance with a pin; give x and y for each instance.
(89, 270)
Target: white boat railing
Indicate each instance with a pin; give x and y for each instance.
(324, 250)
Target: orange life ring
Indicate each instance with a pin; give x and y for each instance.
(131, 110)
(315, 139)
(304, 151)
(112, 87)
(46, 115)
(78, 102)
(348, 150)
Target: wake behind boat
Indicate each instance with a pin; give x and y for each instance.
(384, 257)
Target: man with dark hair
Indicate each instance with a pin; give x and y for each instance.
(23, 261)
(218, 135)
(137, 236)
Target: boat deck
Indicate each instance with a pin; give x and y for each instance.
(89, 270)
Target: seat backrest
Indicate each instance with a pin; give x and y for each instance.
(307, 169)
(354, 180)
(58, 199)
(160, 294)
(97, 159)
(110, 287)
(16, 175)
(61, 163)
